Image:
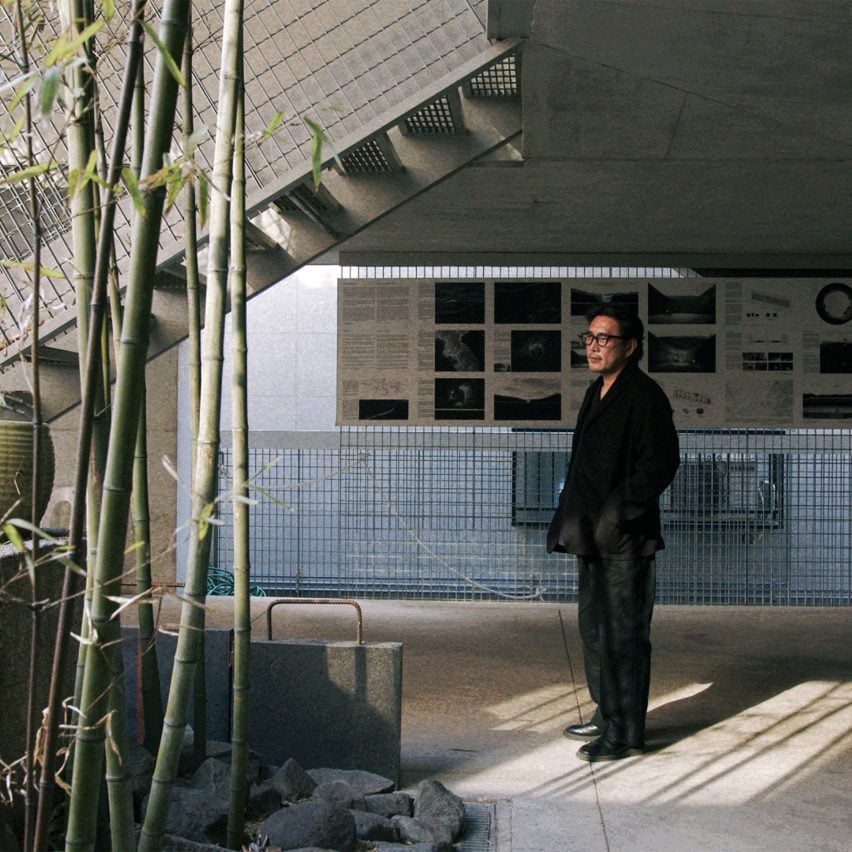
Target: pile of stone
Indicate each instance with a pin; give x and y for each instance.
(290, 808)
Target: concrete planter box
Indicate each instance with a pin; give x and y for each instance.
(334, 704)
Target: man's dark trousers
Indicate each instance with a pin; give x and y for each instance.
(616, 605)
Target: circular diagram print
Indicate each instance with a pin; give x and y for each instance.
(834, 303)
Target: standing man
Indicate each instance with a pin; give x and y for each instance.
(623, 455)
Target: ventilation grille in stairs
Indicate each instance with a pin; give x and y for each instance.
(498, 81)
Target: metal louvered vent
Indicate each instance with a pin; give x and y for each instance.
(303, 199)
(480, 834)
(320, 201)
(498, 81)
(436, 118)
(286, 205)
(369, 159)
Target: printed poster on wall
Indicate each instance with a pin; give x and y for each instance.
(749, 352)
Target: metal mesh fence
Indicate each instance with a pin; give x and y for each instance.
(753, 517)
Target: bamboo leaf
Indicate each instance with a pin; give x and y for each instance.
(317, 137)
(272, 498)
(64, 49)
(170, 62)
(49, 90)
(23, 524)
(55, 52)
(26, 84)
(69, 563)
(14, 536)
(29, 172)
(272, 126)
(168, 464)
(248, 501)
(92, 163)
(177, 181)
(15, 132)
(132, 184)
(73, 180)
(11, 530)
(28, 267)
(194, 140)
(124, 603)
(204, 520)
(109, 9)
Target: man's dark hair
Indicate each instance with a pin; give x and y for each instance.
(629, 324)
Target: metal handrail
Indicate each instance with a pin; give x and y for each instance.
(333, 601)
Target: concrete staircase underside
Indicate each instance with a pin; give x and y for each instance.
(462, 117)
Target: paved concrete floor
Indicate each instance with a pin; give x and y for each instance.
(749, 729)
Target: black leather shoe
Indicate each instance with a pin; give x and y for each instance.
(588, 731)
(601, 749)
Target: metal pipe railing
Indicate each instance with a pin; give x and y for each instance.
(332, 601)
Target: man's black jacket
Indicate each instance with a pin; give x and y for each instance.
(623, 455)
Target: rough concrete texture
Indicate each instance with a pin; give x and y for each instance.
(217, 652)
(335, 704)
(748, 731)
(15, 641)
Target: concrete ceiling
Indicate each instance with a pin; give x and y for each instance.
(711, 134)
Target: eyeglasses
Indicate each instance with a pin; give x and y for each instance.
(602, 340)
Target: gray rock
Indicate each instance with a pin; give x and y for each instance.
(211, 775)
(369, 826)
(413, 847)
(186, 763)
(292, 782)
(341, 794)
(198, 815)
(413, 830)
(219, 749)
(181, 844)
(311, 824)
(141, 765)
(263, 798)
(366, 783)
(434, 802)
(390, 804)
(223, 751)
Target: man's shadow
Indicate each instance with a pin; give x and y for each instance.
(735, 686)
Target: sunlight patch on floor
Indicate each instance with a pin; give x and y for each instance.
(539, 711)
(787, 737)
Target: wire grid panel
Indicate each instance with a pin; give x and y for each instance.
(753, 517)
(294, 542)
(430, 514)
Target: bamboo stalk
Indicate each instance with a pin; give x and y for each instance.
(115, 506)
(187, 655)
(23, 62)
(239, 427)
(193, 302)
(88, 401)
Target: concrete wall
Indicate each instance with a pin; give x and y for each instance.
(292, 341)
(15, 643)
(162, 441)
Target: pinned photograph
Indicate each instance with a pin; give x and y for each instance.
(460, 302)
(527, 302)
(459, 351)
(459, 399)
(682, 354)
